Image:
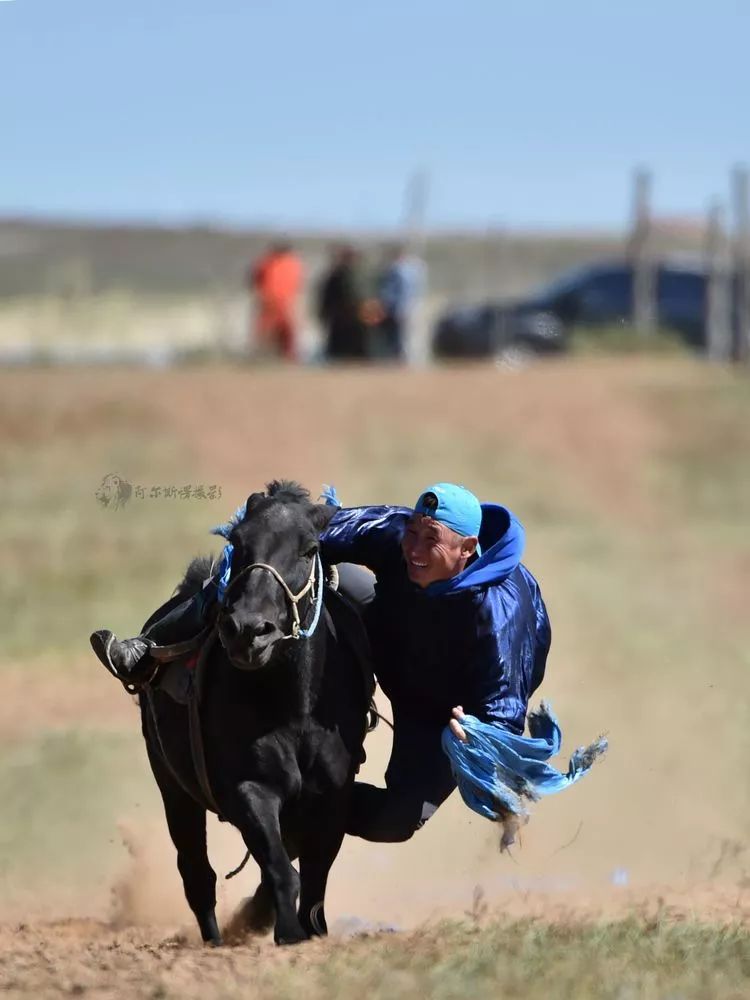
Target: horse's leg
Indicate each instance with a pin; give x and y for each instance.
(257, 913)
(187, 827)
(258, 822)
(319, 846)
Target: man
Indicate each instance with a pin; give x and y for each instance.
(276, 281)
(342, 300)
(454, 626)
(399, 287)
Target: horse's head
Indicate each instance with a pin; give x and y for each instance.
(275, 572)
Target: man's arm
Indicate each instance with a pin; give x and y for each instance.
(368, 536)
(500, 672)
(498, 692)
(513, 640)
(543, 631)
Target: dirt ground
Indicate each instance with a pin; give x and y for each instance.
(99, 960)
(580, 452)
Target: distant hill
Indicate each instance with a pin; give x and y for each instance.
(47, 258)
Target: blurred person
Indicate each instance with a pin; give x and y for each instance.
(276, 281)
(344, 307)
(399, 287)
(455, 620)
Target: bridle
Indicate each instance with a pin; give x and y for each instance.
(314, 586)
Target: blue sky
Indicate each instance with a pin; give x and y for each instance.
(313, 112)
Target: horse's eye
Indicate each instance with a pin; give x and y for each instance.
(311, 552)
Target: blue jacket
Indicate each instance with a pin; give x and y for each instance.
(479, 640)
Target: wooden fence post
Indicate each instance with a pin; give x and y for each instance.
(719, 292)
(415, 211)
(741, 248)
(641, 259)
(415, 228)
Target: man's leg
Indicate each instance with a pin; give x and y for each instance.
(357, 584)
(419, 776)
(129, 659)
(418, 780)
(287, 335)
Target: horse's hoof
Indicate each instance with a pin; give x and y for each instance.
(255, 915)
(291, 937)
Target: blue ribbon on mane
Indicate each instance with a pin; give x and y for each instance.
(223, 570)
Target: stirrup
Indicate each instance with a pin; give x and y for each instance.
(373, 717)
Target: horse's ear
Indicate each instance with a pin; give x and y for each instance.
(322, 514)
(252, 501)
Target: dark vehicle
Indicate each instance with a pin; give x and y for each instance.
(596, 295)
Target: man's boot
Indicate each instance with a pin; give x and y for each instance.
(172, 631)
(126, 659)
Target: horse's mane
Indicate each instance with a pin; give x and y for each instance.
(288, 491)
(199, 570)
(284, 490)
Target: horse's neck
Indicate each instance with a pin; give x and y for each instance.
(299, 679)
(290, 684)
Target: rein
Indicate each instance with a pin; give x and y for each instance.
(317, 595)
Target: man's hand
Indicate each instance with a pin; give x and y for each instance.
(455, 724)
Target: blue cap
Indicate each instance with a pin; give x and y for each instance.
(454, 506)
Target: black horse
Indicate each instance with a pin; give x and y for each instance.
(282, 720)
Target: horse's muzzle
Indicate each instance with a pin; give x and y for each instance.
(248, 652)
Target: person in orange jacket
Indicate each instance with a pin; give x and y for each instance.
(276, 281)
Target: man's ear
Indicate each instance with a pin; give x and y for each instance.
(469, 546)
(322, 514)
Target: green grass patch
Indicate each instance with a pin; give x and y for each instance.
(648, 960)
(623, 338)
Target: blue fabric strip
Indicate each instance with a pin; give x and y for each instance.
(223, 571)
(225, 530)
(330, 496)
(498, 771)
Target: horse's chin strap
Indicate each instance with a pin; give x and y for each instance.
(316, 576)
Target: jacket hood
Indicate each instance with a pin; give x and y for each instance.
(502, 538)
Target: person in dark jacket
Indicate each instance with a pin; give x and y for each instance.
(341, 302)
(457, 624)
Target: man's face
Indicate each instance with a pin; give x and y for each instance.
(433, 551)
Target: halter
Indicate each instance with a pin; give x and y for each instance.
(317, 595)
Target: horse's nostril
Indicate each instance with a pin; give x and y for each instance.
(263, 628)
